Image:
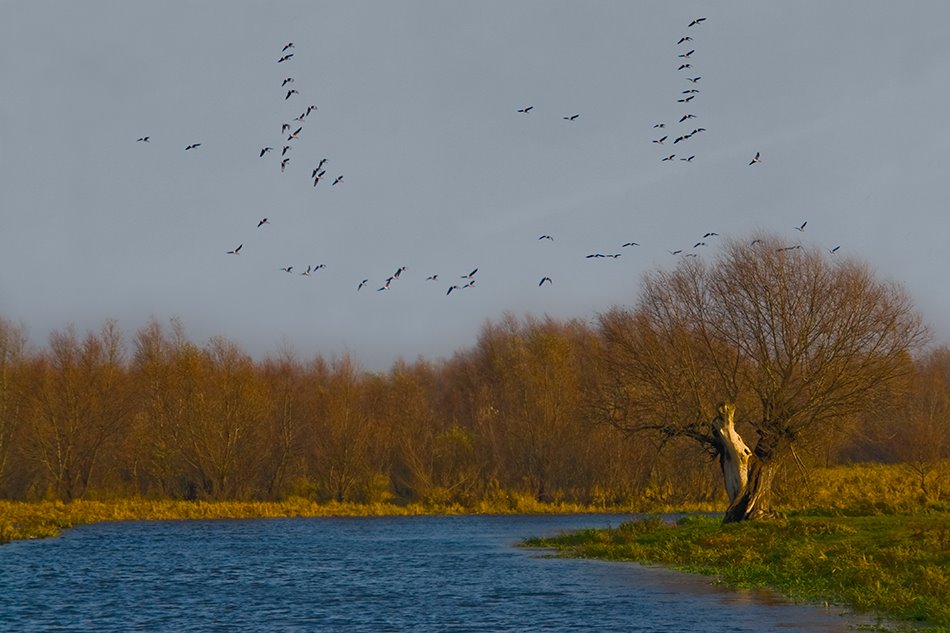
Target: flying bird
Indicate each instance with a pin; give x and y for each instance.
(685, 39)
(571, 118)
(755, 159)
(546, 237)
(321, 163)
(676, 252)
(193, 146)
(362, 283)
(693, 79)
(263, 222)
(432, 278)
(526, 110)
(687, 54)
(236, 250)
(687, 116)
(670, 157)
(338, 180)
(689, 159)
(287, 269)
(310, 109)
(594, 255)
(833, 250)
(660, 125)
(686, 99)
(629, 244)
(698, 244)
(286, 46)
(696, 22)
(289, 80)
(451, 288)
(144, 139)
(285, 58)
(306, 273)
(543, 279)
(295, 133)
(265, 150)
(680, 138)
(802, 227)
(470, 275)
(292, 91)
(660, 140)
(284, 127)
(710, 234)
(286, 149)
(283, 164)
(684, 66)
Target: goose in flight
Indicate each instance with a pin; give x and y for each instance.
(526, 110)
(337, 180)
(660, 125)
(684, 66)
(685, 38)
(451, 288)
(263, 222)
(693, 79)
(698, 244)
(543, 279)
(284, 127)
(696, 22)
(310, 108)
(680, 138)
(686, 99)
(802, 227)
(432, 278)
(144, 139)
(687, 116)
(710, 234)
(670, 157)
(289, 80)
(362, 283)
(629, 244)
(264, 150)
(689, 159)
(676, 252)
(287, 46)
(285, 58)
(236, 250)
(756, 159)
(286, 149)
(193, 146)
(660, 140)
(295, 133)
(571, 118)
(283, 164)
(307, 273)
(687, 54)
(292, 91)
(546, 237)
(287, 269)
(470, 275)
(321, 163)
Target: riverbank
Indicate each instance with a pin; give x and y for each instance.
(26, 520)
(897, 566)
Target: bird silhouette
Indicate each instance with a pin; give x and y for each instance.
(294, 134)
(236, 250)
(756, 159)
(833, 250)
(285, 58)
(687, 116)
(283, 164)
(676, 252)
(629, 244)
(338, 180)
(660, 140)
(546, 237)
(710, 234)
(802, 227)
(660, 125)
(470, 275)
(693, 79)
(292, 91)
(289, 80)
(362, 283)
(284, 128)
(526, 110)
(144, 139)
(287, 269)
(696, 22)
(286, 46)
(286, 149)
(686, 100)
(687, 54)
(263, 222)
(698, 244)
(543, 279)
(265, 150)
(432, 278)
(571, 118)
(685, 39)
(193, 146)
(684, 66)
(670, 157)
(689, 159)
(451, 288)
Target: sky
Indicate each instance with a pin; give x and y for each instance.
(417, 109)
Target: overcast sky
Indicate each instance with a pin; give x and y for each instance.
(417, 110)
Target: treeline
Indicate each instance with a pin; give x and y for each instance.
(103, 415)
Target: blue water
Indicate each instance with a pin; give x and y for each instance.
(365, 574)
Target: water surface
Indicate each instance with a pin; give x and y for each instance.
(362, 574)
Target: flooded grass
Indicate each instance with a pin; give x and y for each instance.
(893, 565)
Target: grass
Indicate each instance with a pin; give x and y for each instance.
(892, 565)
(23, 520)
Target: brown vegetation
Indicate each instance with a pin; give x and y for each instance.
(814, 355)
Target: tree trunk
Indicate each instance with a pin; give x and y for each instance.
(748, 475)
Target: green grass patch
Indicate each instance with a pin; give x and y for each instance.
(893, 565)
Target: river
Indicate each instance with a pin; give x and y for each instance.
(458, 573)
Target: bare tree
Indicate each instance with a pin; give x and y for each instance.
(790, 339)
(12, 400)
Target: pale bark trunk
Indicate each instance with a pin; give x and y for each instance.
(747, 475)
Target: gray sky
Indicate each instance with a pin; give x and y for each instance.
(417, 110)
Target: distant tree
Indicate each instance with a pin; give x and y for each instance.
(791, 339)
(82, 403)
(12, 396)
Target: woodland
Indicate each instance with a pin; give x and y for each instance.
(726, 381)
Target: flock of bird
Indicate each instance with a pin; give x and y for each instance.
(291, 132)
